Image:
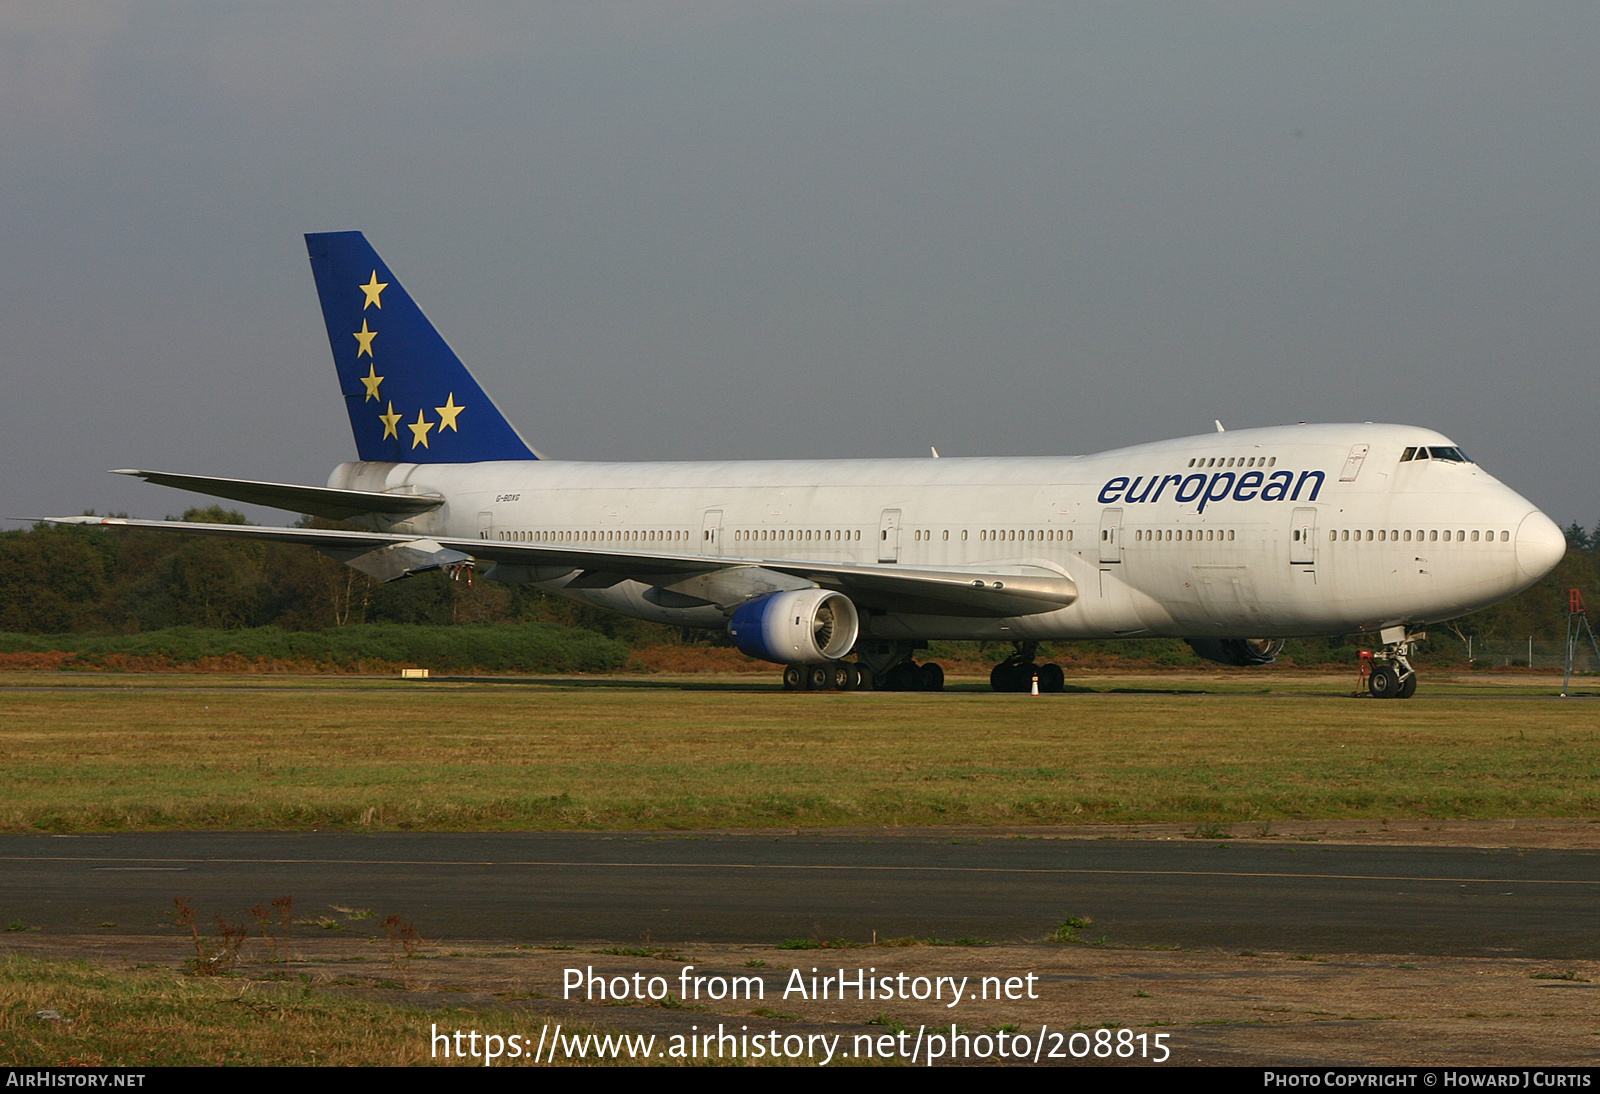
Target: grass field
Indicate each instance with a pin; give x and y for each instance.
(139, 753)
(144, 1018)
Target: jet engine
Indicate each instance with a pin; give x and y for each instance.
(1239, 652)
(804, 627)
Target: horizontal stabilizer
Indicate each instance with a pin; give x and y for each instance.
(319, 501)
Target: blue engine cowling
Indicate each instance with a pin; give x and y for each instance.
(805, 627)
(1239, 652)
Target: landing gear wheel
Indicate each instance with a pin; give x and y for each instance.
(904, 677)
(842, 675)
(1051, 678)
(1384, 683)
(794, 678)
(1408, 687)
(931, 677)
(862, 676)
(819, 677)
(1013, 676)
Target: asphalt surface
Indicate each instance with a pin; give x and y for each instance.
(552, 887)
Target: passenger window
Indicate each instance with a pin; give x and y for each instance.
(1433, 535)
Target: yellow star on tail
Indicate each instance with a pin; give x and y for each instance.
(390, 422)
(372, 380)
(419, 430)
(365, 337)
(448, 412)
(373, 289)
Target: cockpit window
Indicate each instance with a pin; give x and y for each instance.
(1454, 455)
(1411, 454)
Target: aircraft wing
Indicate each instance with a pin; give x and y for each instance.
(987, 593)
(321, 501)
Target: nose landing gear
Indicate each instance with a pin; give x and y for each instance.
(1392, 675)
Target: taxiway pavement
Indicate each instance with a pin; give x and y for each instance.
(769, 887)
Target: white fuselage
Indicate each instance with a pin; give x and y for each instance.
(1258, 533)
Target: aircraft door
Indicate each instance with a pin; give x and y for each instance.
(711, 532)
(1111, 535)
(1352, 465)
(889, 536)
(486, 524)
(1303, 537)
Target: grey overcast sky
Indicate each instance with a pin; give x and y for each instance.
(686, 230)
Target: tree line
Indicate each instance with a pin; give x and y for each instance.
(88, 579)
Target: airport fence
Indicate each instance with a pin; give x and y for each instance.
(1537, 653)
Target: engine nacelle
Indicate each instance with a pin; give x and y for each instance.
(805, 627)
(1239, 652)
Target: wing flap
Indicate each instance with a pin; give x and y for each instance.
(944, 592)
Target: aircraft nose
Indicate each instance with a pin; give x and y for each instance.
(1540, 545)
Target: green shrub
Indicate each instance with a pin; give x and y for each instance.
(526, 647)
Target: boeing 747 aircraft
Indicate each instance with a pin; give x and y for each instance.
(1230, 540)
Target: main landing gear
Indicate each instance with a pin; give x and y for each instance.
(879, 666)
(1017, 672)
(1392, 675)
(831, 675)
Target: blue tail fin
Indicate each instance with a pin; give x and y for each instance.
(410, 398)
